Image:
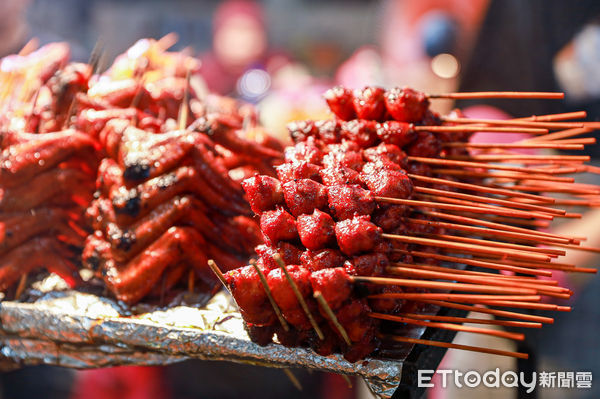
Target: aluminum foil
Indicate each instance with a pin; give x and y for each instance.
(79, 330)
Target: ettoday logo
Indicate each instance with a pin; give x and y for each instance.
(510, 379)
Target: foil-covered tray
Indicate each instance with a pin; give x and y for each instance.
(82, 330)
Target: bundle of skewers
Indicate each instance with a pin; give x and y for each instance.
(374, 212)
(334, 242)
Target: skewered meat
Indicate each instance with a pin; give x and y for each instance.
(278, 225)
(334, 284)
(322, 259)
(340, 101)
(303, 196)
(263, 193)
(406, 105)
(369, 103)
(345, 201)
(357, 235)
(316, 231)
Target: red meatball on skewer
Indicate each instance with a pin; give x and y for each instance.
(334, 284)
(340, 101)
(278, 225)
(248, 292)
(369, 103)
(406, 105)
(263, 193)
(386, 179)
(345, 201)
(304, 196)
(322, 259)
(317, 230)
(357, 235)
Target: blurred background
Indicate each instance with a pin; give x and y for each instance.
(282, 55)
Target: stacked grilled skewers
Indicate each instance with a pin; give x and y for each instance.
(46, 175)
(166, 201)
(373, 211)
(366, 221)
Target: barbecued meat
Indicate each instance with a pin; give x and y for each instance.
(303, 196)
(278, 225)
(316, 230)
(345, 201)
(357, 235)
(406, 105)
(263, 193)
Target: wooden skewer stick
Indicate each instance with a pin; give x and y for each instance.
(515, 145)
(478, 188)
(469, 248)
(513, 122)
(466, 298)
(495, 312)
(482, 165)
(487, 200)
(452, 319)
(488, 275)
(504, 175)
(301, 300)
(470, 128)
(476, 241)
(521, 157)
(498, 226)
(325, 306)
(167, 41)
(274, 305)
(420, 341)
(183, 109)
(443, 285)
(501, 94)
(489, 264)
(213, 266)
(21, 286)
(554, 117)
(410, 272)
(293, 379)
(450, 326)
(527, 305)
(515, 221)
(347, 379)
(451, 207)
(492, 207)
(563, 134)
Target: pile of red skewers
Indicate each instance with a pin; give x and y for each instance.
(367, 212)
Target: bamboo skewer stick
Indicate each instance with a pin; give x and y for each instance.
(487, 275)
(513, 122)
(443, 285)
(301, 300)
(518, 355)
(490, 232)
(293, 379)
(498, 226)
(554, 117)
(488, 264)
(525, 248)
(468, 208)
(500, 94)
(471, 128)
(469, 248)
(482, 165)
(478, 188)
(563, 134)
(515, 145)
(551, 291)
(325, 306)
(527, 305)
(265, 285)
(504, 175)
(495, 312)
(213, 266)
(466, 298)
(450, 326)
(476, 198)
(520, 157)
(452, 319)
(525, 215)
